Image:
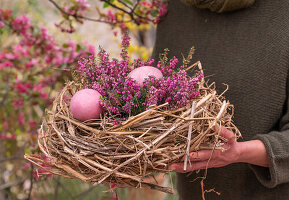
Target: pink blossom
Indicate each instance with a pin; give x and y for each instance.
(82, 4)
(2, 55)
(32, 124)
(21, 24)
(27, 165)
(18, 103)
(6, 64)
(7, 136)
(20, 50)
(22, 87)
(111, 16)
(91, 48)
(5, 124)
(43, 95)
(10, 56)
(37, 88)
(21, 118)
(31, 63)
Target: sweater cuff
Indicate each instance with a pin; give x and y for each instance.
(277, 172)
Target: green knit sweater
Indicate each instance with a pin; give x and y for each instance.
(249, 50)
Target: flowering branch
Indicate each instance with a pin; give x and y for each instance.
(122, 12)
(77, 16)
(132, 13)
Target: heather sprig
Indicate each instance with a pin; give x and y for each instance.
(122, 96)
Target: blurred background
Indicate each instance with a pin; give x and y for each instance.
(39, 41)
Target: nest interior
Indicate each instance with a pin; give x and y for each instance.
(100, 152)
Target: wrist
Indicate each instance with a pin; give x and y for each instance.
(253, 152)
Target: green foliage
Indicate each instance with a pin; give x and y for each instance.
(105, 5)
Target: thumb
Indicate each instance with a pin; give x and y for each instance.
(224, 132)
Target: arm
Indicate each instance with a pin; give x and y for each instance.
(254, 152)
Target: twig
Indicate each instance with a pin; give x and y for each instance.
(31, 182)
(10, 184)
(189, 136)
(11, 158)
(77, 16)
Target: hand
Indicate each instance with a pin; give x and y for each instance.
(253, 152)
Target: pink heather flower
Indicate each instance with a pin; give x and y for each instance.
(122, 96)
(1, 24)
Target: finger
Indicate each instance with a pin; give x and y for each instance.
(204, 155)
(179, 167)
(224, 132)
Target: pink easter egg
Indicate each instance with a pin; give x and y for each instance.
(85, 105)
(141, 73)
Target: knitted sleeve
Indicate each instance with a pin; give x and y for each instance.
(277, 147)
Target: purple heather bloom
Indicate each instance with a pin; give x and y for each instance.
(122, 96)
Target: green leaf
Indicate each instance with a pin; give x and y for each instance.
(78, 47)
(105, 5)
(18, 132)
(27, 151)
(65, 45)
(155, 13)
(8, 153)
(128, 2)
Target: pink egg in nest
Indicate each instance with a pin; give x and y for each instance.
(141, 73)
(85, 105)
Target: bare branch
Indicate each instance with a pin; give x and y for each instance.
(31, 183)
(10, 184)
(11, 158)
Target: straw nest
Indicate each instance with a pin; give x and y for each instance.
(125, 154)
